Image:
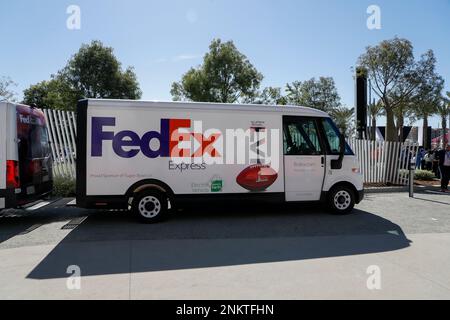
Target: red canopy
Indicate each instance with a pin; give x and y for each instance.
(439, 139)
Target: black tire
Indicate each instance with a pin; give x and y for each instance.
(341, 200)
(150, 206)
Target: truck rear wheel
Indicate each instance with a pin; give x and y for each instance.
(341, 200)
(150, 206)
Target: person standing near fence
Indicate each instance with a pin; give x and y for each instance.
(444, 167)
(435, 165)
(429, 158)
(419, 159)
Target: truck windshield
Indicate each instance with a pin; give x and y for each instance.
(332, 135)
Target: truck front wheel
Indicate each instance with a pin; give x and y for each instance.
(341, 200)
(150, 206)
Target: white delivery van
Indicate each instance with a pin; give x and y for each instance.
(25, 155)
(151, 156)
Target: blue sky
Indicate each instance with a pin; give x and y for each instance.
(286, 40)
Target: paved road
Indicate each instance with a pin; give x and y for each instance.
(223, 252)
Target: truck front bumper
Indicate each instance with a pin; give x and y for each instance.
(360, 196)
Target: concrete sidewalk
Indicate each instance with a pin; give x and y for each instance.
(221, 269)
(272, 253)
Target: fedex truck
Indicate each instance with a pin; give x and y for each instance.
(25, 155)
(153, 156)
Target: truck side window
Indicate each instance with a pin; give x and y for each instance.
(301, 137)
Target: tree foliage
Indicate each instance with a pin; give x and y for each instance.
(320, 94)
(270, 96)
(429, 96)
(93, 72)
(226, 76)
(344, 119)
(6, 91)
(55, 94)
(397, 77)
(426, 102)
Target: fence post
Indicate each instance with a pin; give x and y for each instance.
(384, 161)
(61, 129)
(412, 167)
(69, 149)
(56, 168)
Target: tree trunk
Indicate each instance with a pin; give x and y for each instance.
(400, 125)
(374, 128)
(391, 134)
(426, 145)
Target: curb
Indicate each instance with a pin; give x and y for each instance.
(386, 190)
(398, 189)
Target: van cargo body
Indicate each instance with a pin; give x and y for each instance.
(147, 154)
(25, 156)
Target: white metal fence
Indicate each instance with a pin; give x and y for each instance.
(62, 135)
(381, 162)
(385, 162)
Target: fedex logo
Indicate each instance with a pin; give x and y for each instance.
(173, 132)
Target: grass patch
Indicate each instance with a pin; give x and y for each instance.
(424, 175)
(64, 187)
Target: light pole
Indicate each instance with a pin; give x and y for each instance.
(361, 102)
(370, 115)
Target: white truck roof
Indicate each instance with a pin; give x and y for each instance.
(287, 110)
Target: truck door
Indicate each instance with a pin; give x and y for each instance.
(3, 142)
(35, 163)
(304, 159)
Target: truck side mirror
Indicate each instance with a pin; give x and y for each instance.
(337, 164)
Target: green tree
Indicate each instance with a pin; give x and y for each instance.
(6, 92)
(226, 76)
(270, 96)
(396, 75)
(93, 72)
(55, 94)
(443, 110)
(426, 103)
(344, 118)
(320, 94)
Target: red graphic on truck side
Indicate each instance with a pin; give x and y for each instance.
(257, 177)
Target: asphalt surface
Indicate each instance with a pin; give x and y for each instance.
(217, 251)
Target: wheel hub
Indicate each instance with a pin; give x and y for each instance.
(149, 207)
(342, 200)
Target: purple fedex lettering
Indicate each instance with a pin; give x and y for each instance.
(163, 139)
(132, 141)
(129, 139)
(98, 135)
